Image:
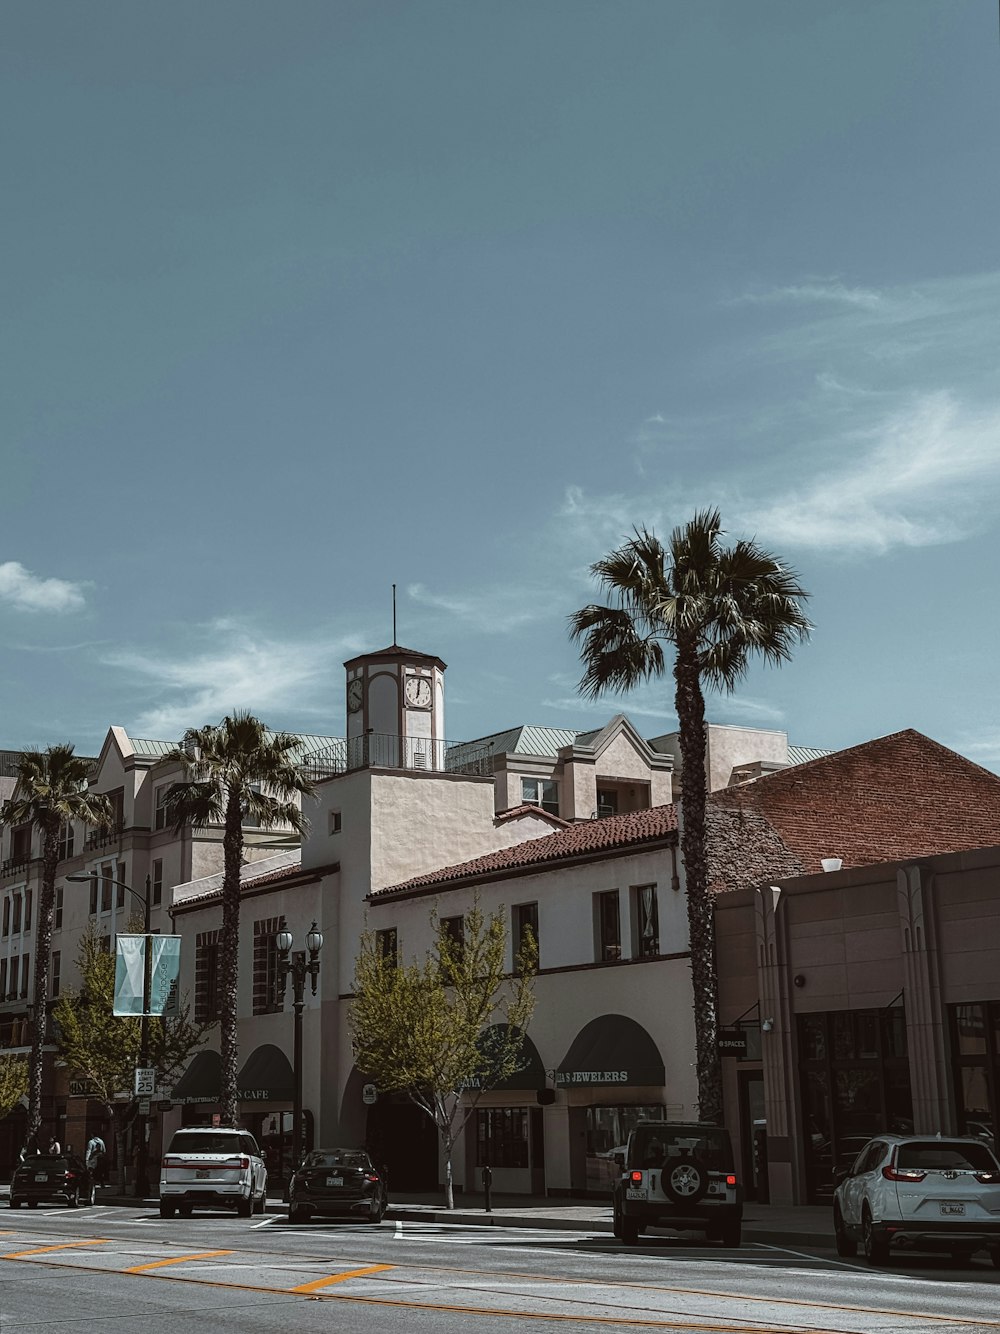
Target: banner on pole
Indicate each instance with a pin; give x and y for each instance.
(165, 970)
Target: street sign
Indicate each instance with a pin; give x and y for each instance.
(81, 1088)
(143, 1106)
(731, 1042)
(145, 1083)
(369, 1095)
(164, 1106)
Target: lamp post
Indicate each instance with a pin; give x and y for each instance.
(298, 966)
(142, 1155)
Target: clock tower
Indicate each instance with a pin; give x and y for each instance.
(395, 709)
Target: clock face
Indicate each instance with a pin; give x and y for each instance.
(418, 692)
(355, 695)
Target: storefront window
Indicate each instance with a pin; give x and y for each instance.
(975, 1035)
(502, 1137)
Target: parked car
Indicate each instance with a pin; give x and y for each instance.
(919, 1192)
(52, 1177)
(679, 1175)
(334, 1182)
(212, 1165)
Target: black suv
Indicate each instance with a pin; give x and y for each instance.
(679, 1175)
(52, 1177)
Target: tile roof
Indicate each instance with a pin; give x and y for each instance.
(897, 797)
(617, 832)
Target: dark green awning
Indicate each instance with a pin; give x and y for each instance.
(201, 1081)
(266, 1077)
(612, 1049)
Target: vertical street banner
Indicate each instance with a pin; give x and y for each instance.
(165, 971)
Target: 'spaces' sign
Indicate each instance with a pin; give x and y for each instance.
(731, 1042)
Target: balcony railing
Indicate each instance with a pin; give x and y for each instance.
(381, 750)
(15, 865)
(104, 837)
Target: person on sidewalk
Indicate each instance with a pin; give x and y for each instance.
(96, 1159)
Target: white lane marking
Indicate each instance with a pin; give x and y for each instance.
(399, 1229)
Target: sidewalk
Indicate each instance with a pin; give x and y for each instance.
(767, 1224)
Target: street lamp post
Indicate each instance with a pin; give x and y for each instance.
(298, 966)
(142, 1155)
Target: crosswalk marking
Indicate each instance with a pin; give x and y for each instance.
(339, 1278)
(175, 1260)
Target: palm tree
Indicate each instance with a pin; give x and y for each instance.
(51, 791)
(236, 773)
(718, 607)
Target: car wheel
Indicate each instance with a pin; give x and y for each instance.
(962, 1256)
(260, 1204)
(995, 1256)
(15, 1204)
(685, 1180)
(73, 1199)
(846, 1248)
(32, 1204)
(166, 1209)
(375, 1210)
(616, 1220)
(244, 1208)
(296, 1214)
(91, 1199)
(630, 1231)
(732, 1234)
(876, 1247)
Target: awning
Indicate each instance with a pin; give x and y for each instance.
(612, 1049)
(530, 1076)
(266, 1077)
(201, 1081)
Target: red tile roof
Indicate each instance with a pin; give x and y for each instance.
(897, 797)
(588, 838)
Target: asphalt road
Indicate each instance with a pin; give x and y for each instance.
(126, 1268)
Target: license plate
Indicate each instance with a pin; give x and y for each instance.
(41, 1176)
(202, 1172)
(335, 1181)
(635, 1195)
(952, 1210)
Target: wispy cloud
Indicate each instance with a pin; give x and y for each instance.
(496, 610)
(815, 290)
(30, 592)
(239, 668)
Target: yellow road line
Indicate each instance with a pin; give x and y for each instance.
(339, 1278)
(176, 1260)
(63, 1246)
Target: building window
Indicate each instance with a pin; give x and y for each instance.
(607, 802)
(250, 820)
(608, 923)
(15, 966)
(206, 977)
(120, 895)
(28, 896)
(524, 921)
(160, 807)
(542, 792)
(105, 944)
(55, 972)
(6, 915)
(502, 1137)
(66, 842)
(107, 888)
(25, 970)
(157, 881)
(335, 822)
(57, 909)
(386, 944)
(93, 893)
(117, 800)
(975, 1042)
(15, 924)
(3, 979)
(20, 844)
(265, 964)
(453, 932)
(646, 921)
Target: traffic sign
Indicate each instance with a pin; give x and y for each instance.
(145, 1083)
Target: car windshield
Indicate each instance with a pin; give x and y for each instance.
(652, 1146)
(337, 1158)
(204, 1141)
(947, 1156)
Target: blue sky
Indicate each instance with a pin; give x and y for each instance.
(303, 299)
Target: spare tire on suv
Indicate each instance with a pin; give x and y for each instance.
(679, 1175)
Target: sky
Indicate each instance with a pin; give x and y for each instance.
(306, 298)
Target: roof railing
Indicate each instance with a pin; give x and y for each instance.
(382, 750)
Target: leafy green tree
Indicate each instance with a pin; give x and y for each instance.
(236, 773)
(718, 607)
(102, 1047)
(446, 1029)
(51, 791)
(13, 1082)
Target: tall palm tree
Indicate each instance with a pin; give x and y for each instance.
(236, 773)
(51, 791)
(718, 607)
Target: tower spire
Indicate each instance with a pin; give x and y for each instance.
(394, 616)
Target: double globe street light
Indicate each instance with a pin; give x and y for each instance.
(299, 967)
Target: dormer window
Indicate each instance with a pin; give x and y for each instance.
(543, 792)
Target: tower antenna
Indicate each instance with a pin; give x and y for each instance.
(394, 616)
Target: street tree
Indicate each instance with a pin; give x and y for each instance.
(447, 1028)
(717, 607)
(236, 773)
(13, 1082)
(50, 792)
(103, 1048)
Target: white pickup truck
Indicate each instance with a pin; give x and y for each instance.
(212, 1165)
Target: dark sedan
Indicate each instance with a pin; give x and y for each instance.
(338, 1182)
(61, 1178)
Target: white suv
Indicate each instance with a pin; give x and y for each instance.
(212, 1165)
(922, 1192)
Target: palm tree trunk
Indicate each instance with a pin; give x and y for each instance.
(43, 946)
(229, 954)
(690, 705)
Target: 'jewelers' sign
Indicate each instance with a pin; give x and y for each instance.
(566, 1077)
